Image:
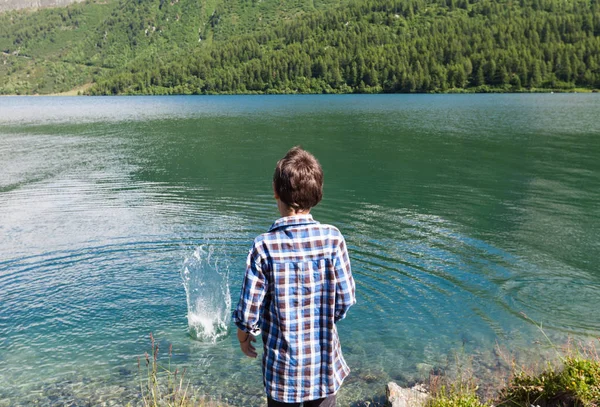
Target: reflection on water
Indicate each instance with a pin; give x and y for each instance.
(460, 213)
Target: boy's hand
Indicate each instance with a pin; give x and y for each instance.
(246, 343)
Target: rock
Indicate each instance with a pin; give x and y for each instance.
(401, 397)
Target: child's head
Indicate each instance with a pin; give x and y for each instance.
(298, 179)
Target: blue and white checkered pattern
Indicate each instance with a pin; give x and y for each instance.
(298, 284)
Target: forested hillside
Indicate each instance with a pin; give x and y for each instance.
(54, 50)
(37, 48)
(286, 46)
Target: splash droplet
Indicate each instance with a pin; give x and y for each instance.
(205, 279)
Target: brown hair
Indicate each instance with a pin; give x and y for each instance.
(298, 179)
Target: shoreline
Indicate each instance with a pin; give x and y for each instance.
(73, 94)
(81, 91)
(77, 91)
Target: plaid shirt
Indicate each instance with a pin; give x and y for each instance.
(297, 285)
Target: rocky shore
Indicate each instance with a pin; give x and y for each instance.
(397, 396)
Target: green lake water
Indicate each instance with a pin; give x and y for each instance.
(468, 218)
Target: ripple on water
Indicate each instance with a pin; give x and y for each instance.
(97, 220)
(65, 307)
(420, 276)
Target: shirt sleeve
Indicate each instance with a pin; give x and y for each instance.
(344, 286)
(254, 287)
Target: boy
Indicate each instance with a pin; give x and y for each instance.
(297, 285)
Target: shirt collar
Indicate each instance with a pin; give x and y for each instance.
(293, 221)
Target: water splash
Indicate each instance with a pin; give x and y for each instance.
(205, 279)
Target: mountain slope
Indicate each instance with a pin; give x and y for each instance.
(275, 46)
(54, 50)
(392, 46)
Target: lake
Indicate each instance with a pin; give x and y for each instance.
(470, 220)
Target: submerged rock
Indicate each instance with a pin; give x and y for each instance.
(400, 397)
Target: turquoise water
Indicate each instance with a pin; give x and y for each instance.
(468, 217)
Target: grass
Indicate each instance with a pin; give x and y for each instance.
(458, 392)
(571, 380)
(160, 386)
(455, 398)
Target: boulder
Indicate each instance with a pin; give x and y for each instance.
(400, 397)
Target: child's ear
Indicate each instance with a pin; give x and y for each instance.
(275, 194)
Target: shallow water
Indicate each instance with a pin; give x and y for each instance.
(468, 217)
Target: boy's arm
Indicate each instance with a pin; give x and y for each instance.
(344, 286)
(247, 313)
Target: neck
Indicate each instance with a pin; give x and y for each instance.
(285, 210)
(296, 213)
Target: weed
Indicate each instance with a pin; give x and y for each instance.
(573, 381)
(160, 386)
(459, 392)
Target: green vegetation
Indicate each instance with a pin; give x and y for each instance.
(453, 398)
(303, 46)
(55, 50)
(460, 393)
(573, 381)
(392, 46)
(37, 48)
(576, 383)
(162, 387)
